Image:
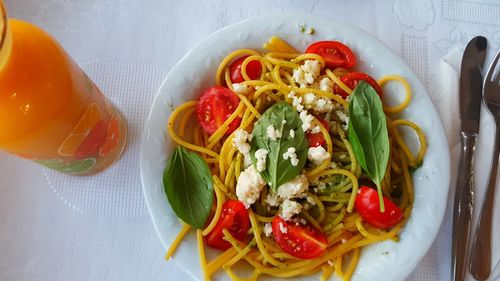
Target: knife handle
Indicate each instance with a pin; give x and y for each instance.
(463, 208)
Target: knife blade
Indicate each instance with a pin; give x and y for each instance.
(470, 94)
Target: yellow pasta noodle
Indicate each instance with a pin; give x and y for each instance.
(327, 205)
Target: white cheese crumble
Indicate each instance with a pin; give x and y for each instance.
(283, 228)
(241, 88)
(292, 133)
(261, 155)
(344, 118)
(268, 229)
(290, 153)
(294, 188)
(317, 154)
(283, 122)
(311, 200)
(307, 73)
(326, 85)
(323, 105)
(321, 186)
(306, 120)
(240, 141)
(272, 200)
(290, 208)
(249, 186)
(316, 130)
(273, 133)
(309, 100)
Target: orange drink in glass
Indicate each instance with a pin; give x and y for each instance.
(50, 111)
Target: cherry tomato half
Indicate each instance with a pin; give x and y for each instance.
(368, 207)
(352, 79)
(318, 139)
(254, 69)
(215, 106)
(301, 241)
(334, 53)
(234, 218)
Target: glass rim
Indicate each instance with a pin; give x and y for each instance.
(3, 22)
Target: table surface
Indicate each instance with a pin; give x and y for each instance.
(44, 235)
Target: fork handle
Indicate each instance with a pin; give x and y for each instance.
(480, 261)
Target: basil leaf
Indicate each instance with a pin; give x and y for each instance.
(189, 187)
(278, 170)
(367, 133)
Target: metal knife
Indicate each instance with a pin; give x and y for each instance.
(470, 92)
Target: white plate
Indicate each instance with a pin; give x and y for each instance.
(383, 261)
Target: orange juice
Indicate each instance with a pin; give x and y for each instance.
(50, 111)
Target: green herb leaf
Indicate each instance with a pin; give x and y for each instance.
(367, 133)
(279, 170)
(189, 187)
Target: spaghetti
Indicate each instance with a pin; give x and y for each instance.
(331, 209)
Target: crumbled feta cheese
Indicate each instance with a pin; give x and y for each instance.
(261, 155)
(299, 77)
(290, 153)
(283, 228)
(309, 99)
(321, 186)
(344, 118)
(294, 188)
(241, 88)
(268, 229)
(247, 160)
(317, 154)
(283, 122)
(333, 165)
(326, 85)
(297, 103)
(249, 186)
(292, 133)
(342, 156)
(311, 200)
(291, 95)
(240, 141)
(290, 208)
(312, 69)
(273, 133)
(272, 199)
(306, 120)
(316, 130)
(323, 105)
(307, 73)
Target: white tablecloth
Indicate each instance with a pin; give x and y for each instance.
(48, 231)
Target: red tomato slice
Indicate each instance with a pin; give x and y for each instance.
(254, 69)
(235, 219)
(352, 79)
(215, 106)
(317, 139)
(368, 207)
(301, 241)
(334, 53)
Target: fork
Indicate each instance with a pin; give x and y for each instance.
(480, 262)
